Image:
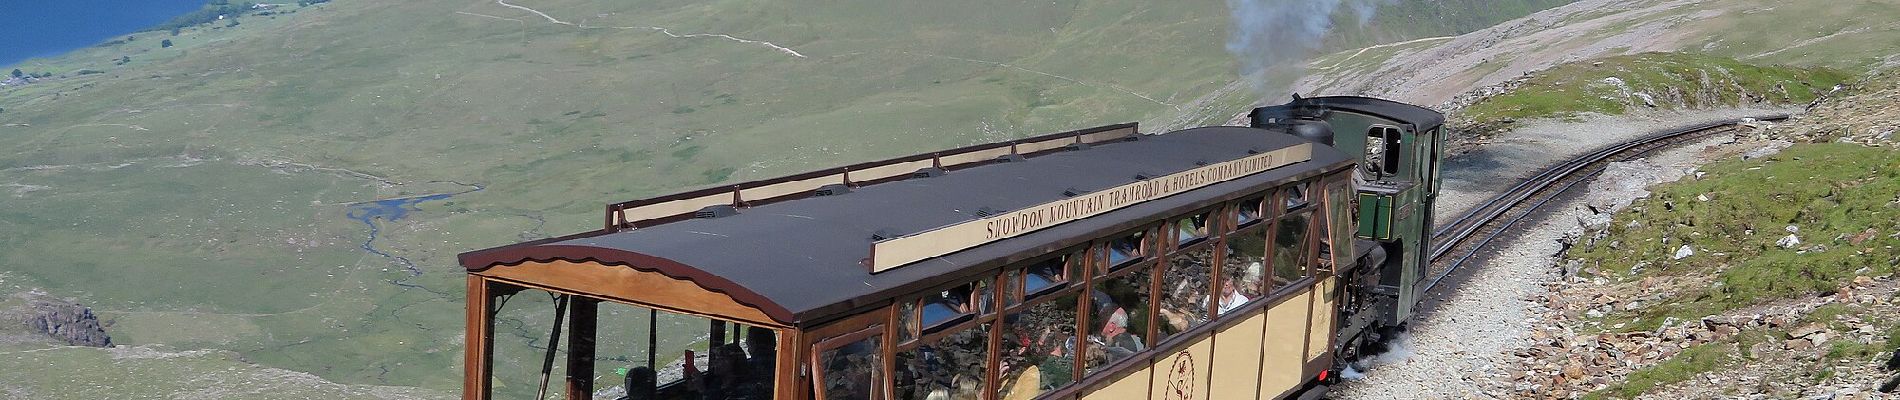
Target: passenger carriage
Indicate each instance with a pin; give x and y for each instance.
(1096, 264)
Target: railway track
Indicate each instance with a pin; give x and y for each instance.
(1461, 240)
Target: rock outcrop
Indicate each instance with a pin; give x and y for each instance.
(61, 319)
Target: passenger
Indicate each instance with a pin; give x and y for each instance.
(1117, 343)
(729, 378)
(1231, 297)
(1255, 275)
(762, 346)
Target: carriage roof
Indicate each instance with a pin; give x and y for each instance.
(801, 261)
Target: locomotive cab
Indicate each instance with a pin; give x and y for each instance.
(1397, 149)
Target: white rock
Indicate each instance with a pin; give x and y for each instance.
(1684, 252)
(1793, 229)
(1788, 242)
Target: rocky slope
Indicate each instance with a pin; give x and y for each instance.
(1847, 35)
(1753, 303)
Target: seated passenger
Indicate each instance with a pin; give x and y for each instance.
(729, 379)
(1116, 342)
(762, 347)
(1231, 297)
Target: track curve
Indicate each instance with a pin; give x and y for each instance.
(1457, 242)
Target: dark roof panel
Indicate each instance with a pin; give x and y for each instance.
(805, 255)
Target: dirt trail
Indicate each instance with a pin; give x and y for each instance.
(662, 30)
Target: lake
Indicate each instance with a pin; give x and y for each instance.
(39, 28)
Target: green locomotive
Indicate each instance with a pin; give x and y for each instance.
(1398, 148)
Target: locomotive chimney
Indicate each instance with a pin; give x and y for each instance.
(1298, 118)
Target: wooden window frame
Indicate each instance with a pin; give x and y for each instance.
(883, 388)
(1069, 268)
(1312, 247)
(1259, 201)
(975, 316)
(1149, 247)
(1121, 271)
(1212, 226)
(1266, 263)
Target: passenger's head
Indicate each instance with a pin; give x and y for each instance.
(1116, 324)
(760, 342)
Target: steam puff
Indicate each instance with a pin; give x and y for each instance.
(1273, 33)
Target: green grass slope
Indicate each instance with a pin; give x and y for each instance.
(1614, 85)
(151, 373)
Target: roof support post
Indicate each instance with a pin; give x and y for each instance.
(584, 315)
(478, 355)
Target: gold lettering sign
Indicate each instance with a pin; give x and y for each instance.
(896, 252)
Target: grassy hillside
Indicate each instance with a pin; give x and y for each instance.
(1806, 237)
(1843, 210)
(1614, 85)
(211, 194)
(148, 373)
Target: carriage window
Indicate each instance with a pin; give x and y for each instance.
(1336, 243)
(1045, 276)
(1289, 249)
(1243, 275)
(1126, 249)
(907, 321)
(1297, 196)
(1038, 348)
(1184, 290)
(1119, 313)
(852, 371)
(1250, 211)
(1012, 287)
(952, 304)
(1191, 229)
(955, 304)
(952, 367)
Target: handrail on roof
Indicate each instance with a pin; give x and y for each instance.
(680, 206)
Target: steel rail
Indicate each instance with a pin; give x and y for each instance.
(1451, 236)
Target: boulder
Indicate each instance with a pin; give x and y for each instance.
(1684, 252)
(1788, 242)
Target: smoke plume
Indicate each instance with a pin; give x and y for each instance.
(1268, 34)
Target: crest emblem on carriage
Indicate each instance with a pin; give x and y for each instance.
(1181, 378)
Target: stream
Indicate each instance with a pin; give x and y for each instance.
(369, 212)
